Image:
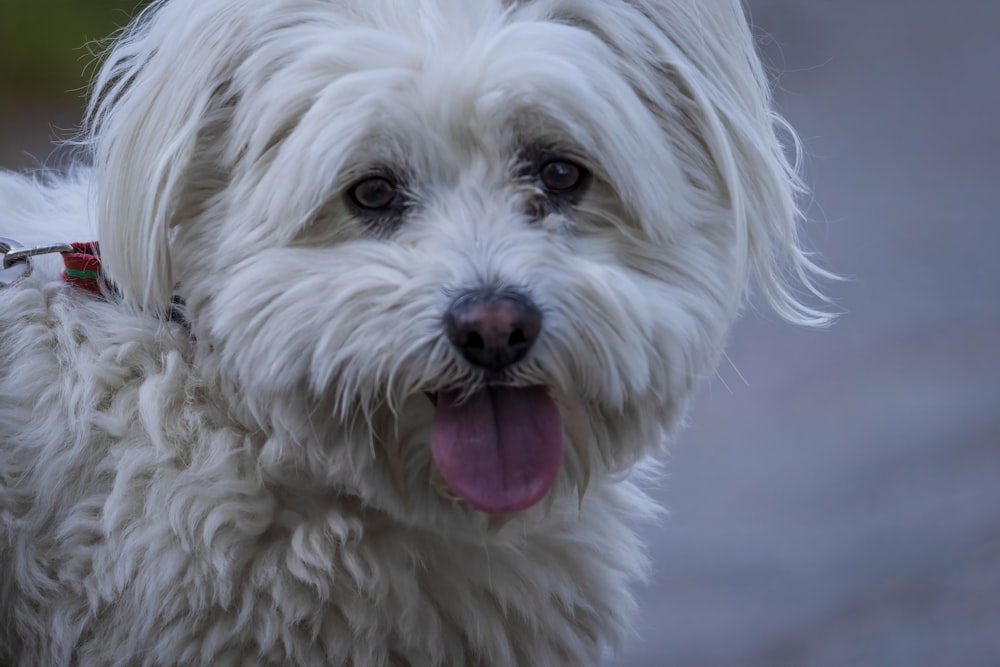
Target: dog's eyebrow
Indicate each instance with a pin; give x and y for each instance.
(541, 136)
(536, 153)
(387, 169)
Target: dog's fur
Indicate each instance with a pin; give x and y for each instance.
(255, 485)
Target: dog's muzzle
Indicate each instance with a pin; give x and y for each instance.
(499, 447)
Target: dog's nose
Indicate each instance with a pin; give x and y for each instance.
(493, 329)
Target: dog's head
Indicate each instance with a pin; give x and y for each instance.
(484, 247)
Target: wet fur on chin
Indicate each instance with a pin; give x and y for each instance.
(256, 487)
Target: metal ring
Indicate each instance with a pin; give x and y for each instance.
(6, 245)
(12, 270)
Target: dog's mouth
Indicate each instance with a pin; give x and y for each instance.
(498, 448)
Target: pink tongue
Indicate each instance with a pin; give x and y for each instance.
(500, 450)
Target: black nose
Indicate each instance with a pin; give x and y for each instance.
(493, 329)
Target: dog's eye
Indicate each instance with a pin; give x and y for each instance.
(560, 177)
(374, 194)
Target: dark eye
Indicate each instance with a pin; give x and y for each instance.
(558, 176)
(374, 194)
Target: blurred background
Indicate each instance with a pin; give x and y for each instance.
(835, 500)
(47, 55)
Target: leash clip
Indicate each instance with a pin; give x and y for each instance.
(12, 270)
(16, 262)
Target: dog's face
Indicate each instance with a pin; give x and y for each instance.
(449, 248)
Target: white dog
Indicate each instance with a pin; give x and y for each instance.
(447, 273)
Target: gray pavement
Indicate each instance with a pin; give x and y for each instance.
(841, 506)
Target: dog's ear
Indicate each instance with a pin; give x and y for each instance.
(699, 68)
(710, 51)
(158, 91)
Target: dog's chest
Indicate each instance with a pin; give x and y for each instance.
(326, 590)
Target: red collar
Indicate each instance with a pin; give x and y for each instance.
(82, 263)
(83, 267)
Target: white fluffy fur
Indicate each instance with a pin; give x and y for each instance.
(257, 488)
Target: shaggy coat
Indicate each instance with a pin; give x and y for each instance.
(279, 476)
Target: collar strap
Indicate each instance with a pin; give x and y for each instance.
(83, 267)
(82, 262)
